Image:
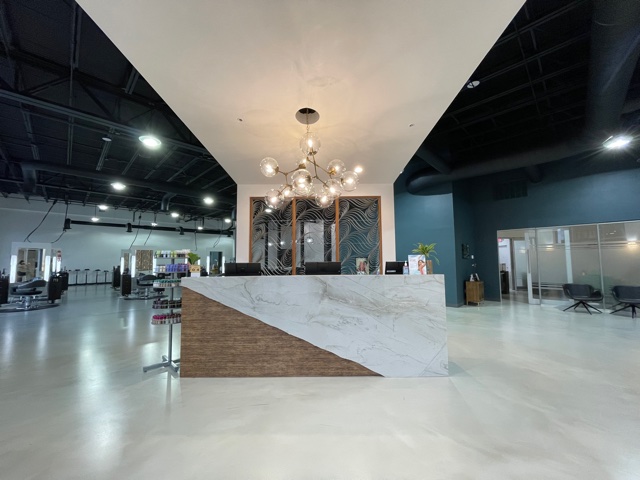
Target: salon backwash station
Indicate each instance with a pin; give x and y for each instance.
(334, 325)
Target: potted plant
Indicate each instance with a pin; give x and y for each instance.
(193, 258)
(429, 252)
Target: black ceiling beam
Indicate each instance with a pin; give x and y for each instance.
(63, 193)
(58, 69)
(534, 57)
(183, 169)
(165, 157)
(92, 174)
(208, 231)
(513, 107)
(504, 93)
(88, 117)
(540, 21)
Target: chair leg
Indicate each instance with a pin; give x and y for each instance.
(575, 305)
(623, 308)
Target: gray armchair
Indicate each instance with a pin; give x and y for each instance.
(582, 294)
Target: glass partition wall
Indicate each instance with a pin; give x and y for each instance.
(601, 255)
(283, 240)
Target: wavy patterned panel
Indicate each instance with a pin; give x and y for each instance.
(315, 233)
(359, 233)
(271, 238)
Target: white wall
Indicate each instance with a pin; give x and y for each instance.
(385, 192)
(93, 246)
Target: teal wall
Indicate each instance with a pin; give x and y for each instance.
(428, 219)
(470, 214)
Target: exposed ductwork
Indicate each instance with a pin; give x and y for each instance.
(29, 168)
(164, 203)
(615, 49)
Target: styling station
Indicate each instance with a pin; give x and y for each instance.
(308, 325)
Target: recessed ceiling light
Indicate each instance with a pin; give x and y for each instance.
(208, 200)
(95, 219)
(118, 186)
(175, 214)
(267, 210)
(410, 125)
(227, 220)
(358, 169)
(103, 207)
(150, 141)
(616, 142)
(200, 227)
(473, 83)
(154, 224)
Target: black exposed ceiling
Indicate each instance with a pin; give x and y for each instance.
(64, 87)
(561, 78)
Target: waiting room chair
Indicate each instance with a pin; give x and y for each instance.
(628, 296)
(582, 294)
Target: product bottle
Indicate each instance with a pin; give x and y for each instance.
(405, 269)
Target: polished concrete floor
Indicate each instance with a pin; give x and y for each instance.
(534, 393)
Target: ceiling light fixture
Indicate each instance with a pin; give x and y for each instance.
(150, 141)
(106, 138)
(300, 180)
(200, 227)
(103, 208)
(227, 220)
(95, 219)
(268, 210)
(473, 83)
(358, 169)
(154, 224)
(616, 142)
(118, 186)
(95, 215)
(175, 214)
(208, 200)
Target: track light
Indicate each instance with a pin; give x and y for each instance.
(129, 229)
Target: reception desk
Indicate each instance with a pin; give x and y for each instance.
(394, 326)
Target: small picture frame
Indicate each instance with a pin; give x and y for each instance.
(362, 266)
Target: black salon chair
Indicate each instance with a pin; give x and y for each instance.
(627, 296)
(145, 284)
(27, 293)
(582, 294)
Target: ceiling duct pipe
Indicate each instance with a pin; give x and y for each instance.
(164, 203)
(615, 49)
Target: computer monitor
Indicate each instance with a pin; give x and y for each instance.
(322, 268)
(393, 268)
(242, 269)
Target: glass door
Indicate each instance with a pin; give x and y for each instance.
(533, 276)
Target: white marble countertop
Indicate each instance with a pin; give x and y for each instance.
(394, 325)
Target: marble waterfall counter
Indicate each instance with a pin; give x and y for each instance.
(391, 325)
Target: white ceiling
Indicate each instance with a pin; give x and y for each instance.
(371, 68)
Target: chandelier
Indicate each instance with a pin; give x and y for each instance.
(305, 180)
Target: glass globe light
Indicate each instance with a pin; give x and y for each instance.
(269, 166)
(336, 167)
(349, 181)
(309, 143)
(301, 181)
(273, 198)
(334, 187)
(287, 192)
(323, 200)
